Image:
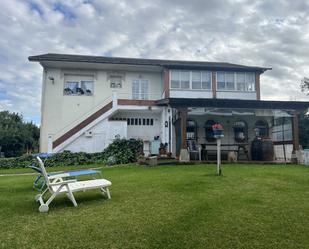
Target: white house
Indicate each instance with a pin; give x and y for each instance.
(87, 101)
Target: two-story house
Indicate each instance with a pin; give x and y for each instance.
(87, 101)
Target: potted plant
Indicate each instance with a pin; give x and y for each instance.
(67, 91)
(80, 91)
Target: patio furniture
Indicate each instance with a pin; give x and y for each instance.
(57, 184)
(39, 182)
(194, 150)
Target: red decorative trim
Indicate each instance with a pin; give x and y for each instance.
(139, 102)
(82, 125)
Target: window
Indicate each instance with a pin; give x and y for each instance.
(191, 129)
(250, 80)
(240, 131)
(221, 81)
(201, 80)
(185, 79)
(140, 89)
(140, 121)
(175, 78)
(115, 81)
(195, 80)
(241, 81)
(209, 132)
(78, 85)
(282, 129)
(206, 80)
(230, 81)
(261, 128)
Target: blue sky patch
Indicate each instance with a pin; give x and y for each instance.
(36, 8)
(66, 11)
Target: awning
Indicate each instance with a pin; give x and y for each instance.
(234, 103)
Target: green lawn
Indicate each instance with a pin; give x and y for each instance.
(166, 207)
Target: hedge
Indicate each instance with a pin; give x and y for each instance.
(121, 151)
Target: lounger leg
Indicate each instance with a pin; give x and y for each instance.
(71, 196)
(108, 193)
(105, 192)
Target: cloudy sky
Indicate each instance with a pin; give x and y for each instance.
(268, 33)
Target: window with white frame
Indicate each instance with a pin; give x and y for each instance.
(115, 81)
(232, 81)
(201, 80)
(78, 85)
(191, 80)
(140, 89)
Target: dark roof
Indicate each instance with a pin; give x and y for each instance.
(235, 103)
(147, 62)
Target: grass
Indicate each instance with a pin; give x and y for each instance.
(166, 207)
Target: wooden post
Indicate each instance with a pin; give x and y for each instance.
(295, 131)
(183, 119)
(257, 86)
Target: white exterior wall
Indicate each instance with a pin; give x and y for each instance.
(144, 132)
(60, 112)
(102, 135)
(236, 95)
(190, 93)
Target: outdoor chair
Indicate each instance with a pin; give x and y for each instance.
(39, 183)
(194, 150)
(57, 184)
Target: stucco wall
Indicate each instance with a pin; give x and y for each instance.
(59, 111)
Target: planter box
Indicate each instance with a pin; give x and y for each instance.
(218, 132)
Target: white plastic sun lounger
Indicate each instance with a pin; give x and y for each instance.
(56, 184)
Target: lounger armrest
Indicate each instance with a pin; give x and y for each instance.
(60, 175)
(62, 183)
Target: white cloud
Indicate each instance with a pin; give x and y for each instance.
(262, 33)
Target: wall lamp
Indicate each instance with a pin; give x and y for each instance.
(52, 79)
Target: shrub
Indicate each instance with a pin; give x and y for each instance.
(121, 151)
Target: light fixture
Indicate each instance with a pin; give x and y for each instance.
(52, 79)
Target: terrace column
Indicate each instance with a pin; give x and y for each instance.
(295, 132)
(184, 154)
(295, 154)
(183, 112)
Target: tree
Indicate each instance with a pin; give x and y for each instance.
(16, 136)
(304, 85)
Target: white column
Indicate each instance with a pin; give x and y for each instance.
(114, 98)
(218, 156)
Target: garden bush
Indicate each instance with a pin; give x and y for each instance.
(121, 151)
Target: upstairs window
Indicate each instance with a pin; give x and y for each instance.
(140, 89)
(115, 81)
(201, 80)
(185, 79)
(78, 85)
(195, 80)
(230, 81)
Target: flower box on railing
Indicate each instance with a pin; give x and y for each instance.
(217, 130)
